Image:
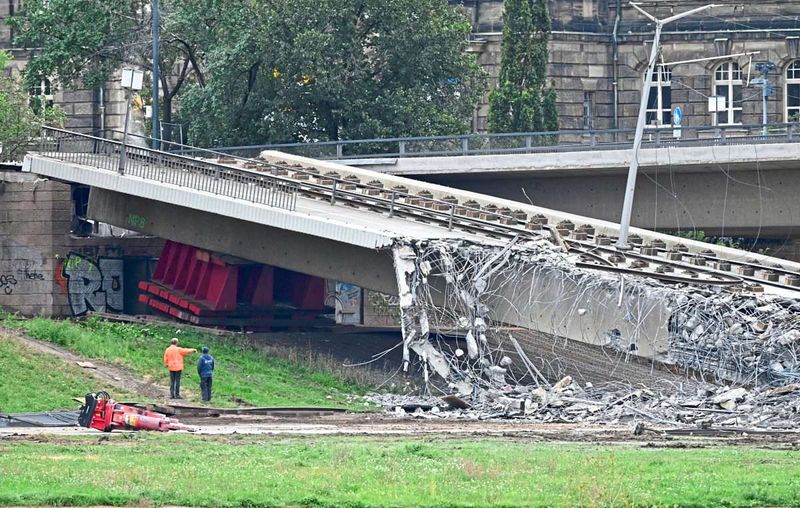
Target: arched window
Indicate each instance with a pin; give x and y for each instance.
(792, 92)
(728, 84)
(659, 101)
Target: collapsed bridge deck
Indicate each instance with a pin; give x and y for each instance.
(342, 223)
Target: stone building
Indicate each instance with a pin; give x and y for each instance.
(88, 111)
(599, 51)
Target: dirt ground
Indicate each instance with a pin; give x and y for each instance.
(348, 344)
(382, 425)
(113, 375)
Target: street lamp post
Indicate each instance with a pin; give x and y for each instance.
(627, 207)
(131, 80)
(766, 90)
(156, 28)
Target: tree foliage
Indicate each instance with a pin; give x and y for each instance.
(332, 69)
(282, 70)
(83, 42)
(523, 101)
(19, 124)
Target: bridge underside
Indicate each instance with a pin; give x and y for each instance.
(746, 203)
(312, 255)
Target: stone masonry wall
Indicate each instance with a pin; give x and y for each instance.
(27, 233)
(39, 255)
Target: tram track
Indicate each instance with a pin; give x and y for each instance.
(496, 225)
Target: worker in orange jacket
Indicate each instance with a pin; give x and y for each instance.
(173, 359)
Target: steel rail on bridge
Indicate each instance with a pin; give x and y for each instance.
(529, 142)
(169, 168)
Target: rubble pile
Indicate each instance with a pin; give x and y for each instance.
(705, 406)
(751, 339)
(718, 335)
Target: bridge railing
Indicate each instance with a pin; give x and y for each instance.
(529, 142)
(169, 168)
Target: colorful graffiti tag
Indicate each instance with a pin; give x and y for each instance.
(348, 304)
(93, 285)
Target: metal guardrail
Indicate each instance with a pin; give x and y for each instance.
(166, 167)
(397, 201)
(334, 188)
(526, 142)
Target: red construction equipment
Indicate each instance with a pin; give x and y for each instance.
(103, 413)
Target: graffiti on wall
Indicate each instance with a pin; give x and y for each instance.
(384, 305)
(7, 283)
(93, 285)
(348, 304)
(28, 272)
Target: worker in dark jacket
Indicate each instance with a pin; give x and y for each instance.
(205, 368)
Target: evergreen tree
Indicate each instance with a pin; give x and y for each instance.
(522, 101)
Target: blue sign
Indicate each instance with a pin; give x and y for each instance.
(677, 116)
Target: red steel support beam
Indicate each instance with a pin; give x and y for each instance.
(260, 287)
(167, 253)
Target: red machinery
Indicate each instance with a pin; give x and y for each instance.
(101, 412)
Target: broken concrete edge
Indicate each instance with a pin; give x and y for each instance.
(554, 216)
(727, 336)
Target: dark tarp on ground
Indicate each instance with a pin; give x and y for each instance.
(46, 419)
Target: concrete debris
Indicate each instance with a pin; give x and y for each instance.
(749, 339)
(748, 344)
(711, 406)
(562, 385)
(729, 396)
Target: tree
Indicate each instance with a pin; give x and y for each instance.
(83, 42)
(522, 101)
(19, 123)
(298, 70)
(285, 70)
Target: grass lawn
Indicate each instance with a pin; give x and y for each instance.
(267, 471)
(33, 381)
(242, 373)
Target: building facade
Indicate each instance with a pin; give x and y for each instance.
(599, 51)
(87, 111)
